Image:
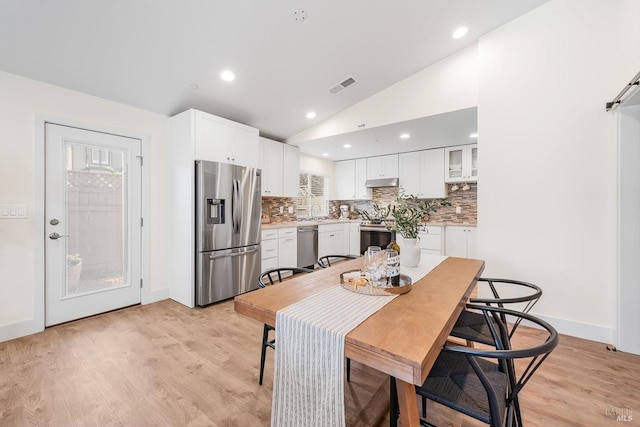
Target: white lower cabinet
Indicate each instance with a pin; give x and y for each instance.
(333, 239)
(354, 238)
(461, 241)
(288, 247)
(431, 241)
(269, 249)
(279, 248)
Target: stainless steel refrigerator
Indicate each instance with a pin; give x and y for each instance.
(227, 230)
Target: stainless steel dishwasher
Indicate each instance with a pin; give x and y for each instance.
(307, 245)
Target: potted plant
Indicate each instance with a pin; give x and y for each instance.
(74, 268)
(409, 213)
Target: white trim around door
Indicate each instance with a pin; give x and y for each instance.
(37, 323)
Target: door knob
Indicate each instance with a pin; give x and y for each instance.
(54, 222)
(56, 236)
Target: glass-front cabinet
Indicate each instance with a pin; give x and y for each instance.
(461, 163)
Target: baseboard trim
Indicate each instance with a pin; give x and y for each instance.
(20, 329)
(33, 326)
(155, 296)
(586, 331)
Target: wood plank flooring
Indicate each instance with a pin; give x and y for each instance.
(163, 364)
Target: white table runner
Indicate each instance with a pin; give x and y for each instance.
(308, 389)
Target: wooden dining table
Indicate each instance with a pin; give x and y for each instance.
(404, 338)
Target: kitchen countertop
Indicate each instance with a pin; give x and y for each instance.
(271, 225)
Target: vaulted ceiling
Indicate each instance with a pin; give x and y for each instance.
(166, 55)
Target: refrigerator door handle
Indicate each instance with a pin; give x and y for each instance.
(233, 254)
(236, 208)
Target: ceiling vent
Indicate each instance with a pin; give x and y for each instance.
(342, 86)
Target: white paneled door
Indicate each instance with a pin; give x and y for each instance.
(93, 222)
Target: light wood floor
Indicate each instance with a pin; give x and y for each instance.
(166, 365)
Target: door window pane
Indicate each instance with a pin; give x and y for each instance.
(96, 219)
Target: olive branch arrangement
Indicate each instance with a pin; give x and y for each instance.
(409, 213)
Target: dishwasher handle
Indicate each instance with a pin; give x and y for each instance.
(307, 229)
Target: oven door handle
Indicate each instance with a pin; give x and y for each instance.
(378, 229)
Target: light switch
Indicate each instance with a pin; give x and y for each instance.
(14, 211)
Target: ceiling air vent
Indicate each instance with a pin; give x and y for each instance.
(342, 86)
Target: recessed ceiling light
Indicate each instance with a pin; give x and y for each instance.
(325, 154)
(311, 114)
(347, 145)
(404, 136)
(227, 76)
(459, 33)
(473, 135)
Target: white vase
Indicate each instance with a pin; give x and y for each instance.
(409, 253)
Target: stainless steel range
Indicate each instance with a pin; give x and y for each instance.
(373, 233)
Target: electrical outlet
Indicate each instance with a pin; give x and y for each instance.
(458, 210)
(290, 209)
(281, 209)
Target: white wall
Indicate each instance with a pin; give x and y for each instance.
(449, 85)
(20, 100)
(547, 184)
(315, 165)
(547, 192)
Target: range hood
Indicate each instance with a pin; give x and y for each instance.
(382, 182)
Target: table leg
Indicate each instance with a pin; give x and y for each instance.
(408, 404)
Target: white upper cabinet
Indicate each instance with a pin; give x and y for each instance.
(421, 173)
(280, 164)
(461, 163)
(362, 192)
(349, 177)
(344, 176)
(271, 165)
(382, 167)
(432, 170)
(410, 173)
(290, 170)
(222, 140)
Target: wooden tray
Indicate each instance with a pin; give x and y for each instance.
(367, 289)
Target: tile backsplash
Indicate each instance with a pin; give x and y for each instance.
(466, 200)
(383, 196)
(271, 206)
